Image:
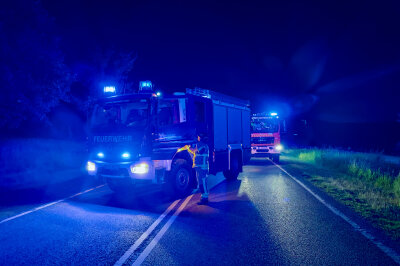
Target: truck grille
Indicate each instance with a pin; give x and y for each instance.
(122, 172)
(263, 140)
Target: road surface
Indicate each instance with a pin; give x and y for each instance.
(263, 218)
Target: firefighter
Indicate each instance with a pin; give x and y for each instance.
(200, 164)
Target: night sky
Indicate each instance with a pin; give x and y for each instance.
(331, 61)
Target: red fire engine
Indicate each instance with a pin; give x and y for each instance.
(265, 136)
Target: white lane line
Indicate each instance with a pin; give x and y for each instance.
(387, 250)
(146, 234)
(48, 204)
(160, 234)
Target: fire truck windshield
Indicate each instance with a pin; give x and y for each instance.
(132, 114)
(264, 124)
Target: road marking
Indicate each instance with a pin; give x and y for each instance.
(387, 250)
(48, 204)
(160, 234)
(146, 234)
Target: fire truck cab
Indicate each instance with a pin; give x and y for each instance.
(265, 136)
(138, 139)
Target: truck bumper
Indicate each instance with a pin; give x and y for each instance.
(264, 151)
(122, 172)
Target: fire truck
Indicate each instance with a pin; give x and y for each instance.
(138, 139)
(265, 136)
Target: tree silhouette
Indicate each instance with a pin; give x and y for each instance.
(102, 67)
(33, 76)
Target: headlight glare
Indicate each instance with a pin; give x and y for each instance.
(91, 166)
(126, 155)
(141, 168)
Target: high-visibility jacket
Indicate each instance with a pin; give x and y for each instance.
(199, 153)
(200, 159)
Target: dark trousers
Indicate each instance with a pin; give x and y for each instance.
(201, 175)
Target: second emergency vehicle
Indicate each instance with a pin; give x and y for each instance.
(265, 136)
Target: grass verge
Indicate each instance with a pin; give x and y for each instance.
(369, 183)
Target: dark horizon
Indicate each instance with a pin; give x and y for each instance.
(330, 62)
(335, 65)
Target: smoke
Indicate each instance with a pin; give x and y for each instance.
(357, 80)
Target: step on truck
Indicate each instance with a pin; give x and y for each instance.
(138, 139)
(265, 136)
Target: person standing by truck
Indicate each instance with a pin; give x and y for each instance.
(201, 166)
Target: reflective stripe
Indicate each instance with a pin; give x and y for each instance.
(200, 155)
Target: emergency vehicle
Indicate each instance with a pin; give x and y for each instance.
(265, 136)
(139, 139)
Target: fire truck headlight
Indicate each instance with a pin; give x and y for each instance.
(141, 168)
(100, 155)
(91, 167)
(109, 89)
(126, 155)
(279, 147)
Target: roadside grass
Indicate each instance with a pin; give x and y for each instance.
(369, 183)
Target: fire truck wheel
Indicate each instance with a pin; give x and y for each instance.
(181, 177)
(233, 173)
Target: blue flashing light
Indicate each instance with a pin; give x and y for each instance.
(100, 155)
(145, 85)
(158, 93)
(126, 155)
(109, 89)
(274, 114)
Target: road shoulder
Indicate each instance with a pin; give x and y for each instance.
(304, 172)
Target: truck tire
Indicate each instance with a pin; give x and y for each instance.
(181, 178)
(233, 173)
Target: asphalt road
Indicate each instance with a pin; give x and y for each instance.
(263, 218)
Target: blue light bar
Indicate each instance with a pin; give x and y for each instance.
(274, 114)
(109, 89)
(145, 85)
